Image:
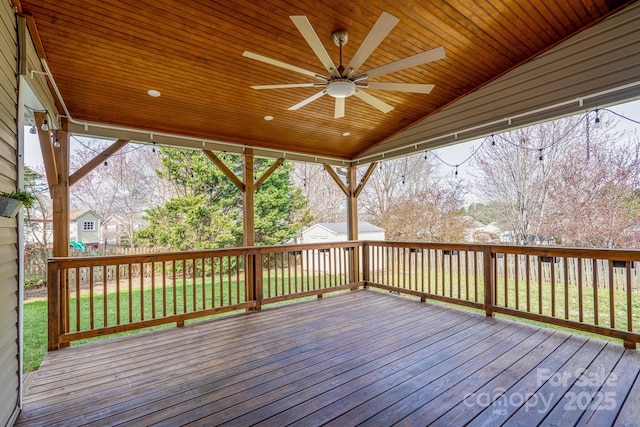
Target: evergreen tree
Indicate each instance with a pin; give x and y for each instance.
(207, 213)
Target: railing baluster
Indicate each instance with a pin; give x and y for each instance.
(77, 278)
(595, 292)
(117, 294)
(153, 290)
(580, 286)
(130, 299)
(552, 266)
(566, 288)
(516, 279)
(539, 284)
(229, 280)
(141, 291)
(629, 296)
(506, 279)
(91, 302)
(612, 311)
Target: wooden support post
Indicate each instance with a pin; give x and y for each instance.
(61, 220)
(487, 258)
(365, 263)
(53, 306)
(352, 222)
(248, 199)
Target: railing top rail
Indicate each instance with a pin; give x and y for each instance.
(69, 262)
(613, 254)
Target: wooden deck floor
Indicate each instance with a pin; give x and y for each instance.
(361, 358)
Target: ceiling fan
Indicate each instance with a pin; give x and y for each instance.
(343, 82)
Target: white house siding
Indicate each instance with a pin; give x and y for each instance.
(9, 350)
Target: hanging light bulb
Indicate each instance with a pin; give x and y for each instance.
(425, 155)
(106, 163)
(493, 139)
(540, 158)
(45, 125)
(596, 123)
(33, 130)
(456, 174)
(56, 142)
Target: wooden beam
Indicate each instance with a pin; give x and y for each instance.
(365, 178)
(337, 179)
(248, 199)
(97, 160)
(232, 176)
(46, 147)
(268, 173)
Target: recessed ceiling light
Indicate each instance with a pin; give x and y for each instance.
(346, 134)
(154, 93)
(268, 118)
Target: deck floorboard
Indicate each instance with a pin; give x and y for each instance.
(358, 358)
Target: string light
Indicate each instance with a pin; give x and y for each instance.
(456, 174)
(33, 130)
(45, 125)
(106, 163)
(493, 139)
(56, 142)
(596, 123)
(540, 158)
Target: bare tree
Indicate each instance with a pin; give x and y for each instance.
(325, 199)
(411, 201)
(126, 185)
(595, 200)
(515, 174)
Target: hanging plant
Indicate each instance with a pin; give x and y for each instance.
(10, 203)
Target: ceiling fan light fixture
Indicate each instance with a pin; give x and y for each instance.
(341, 88)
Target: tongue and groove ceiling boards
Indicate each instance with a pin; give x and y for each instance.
(105, 55)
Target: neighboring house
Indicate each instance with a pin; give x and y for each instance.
(478, 232)
(337, 232)
(321, 260)
(114, 231)
(84, 227)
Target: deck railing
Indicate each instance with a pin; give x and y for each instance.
(595, 291)
(94, 296)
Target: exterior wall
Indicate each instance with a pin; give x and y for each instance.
(84, 236)
(318, 234)
(9, 282)
(374, 235)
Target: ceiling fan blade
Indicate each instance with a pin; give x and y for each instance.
(411, 61)
(373, 101)
(401, 87)
(339, 111)
(281, 64)
(284, 86)
(309, 34)
(308, 100)
(382, 27)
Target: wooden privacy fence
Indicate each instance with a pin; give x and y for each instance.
(595, 291)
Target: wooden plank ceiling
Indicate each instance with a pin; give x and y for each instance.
(106, 54)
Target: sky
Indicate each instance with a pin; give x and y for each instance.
(453, 155)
